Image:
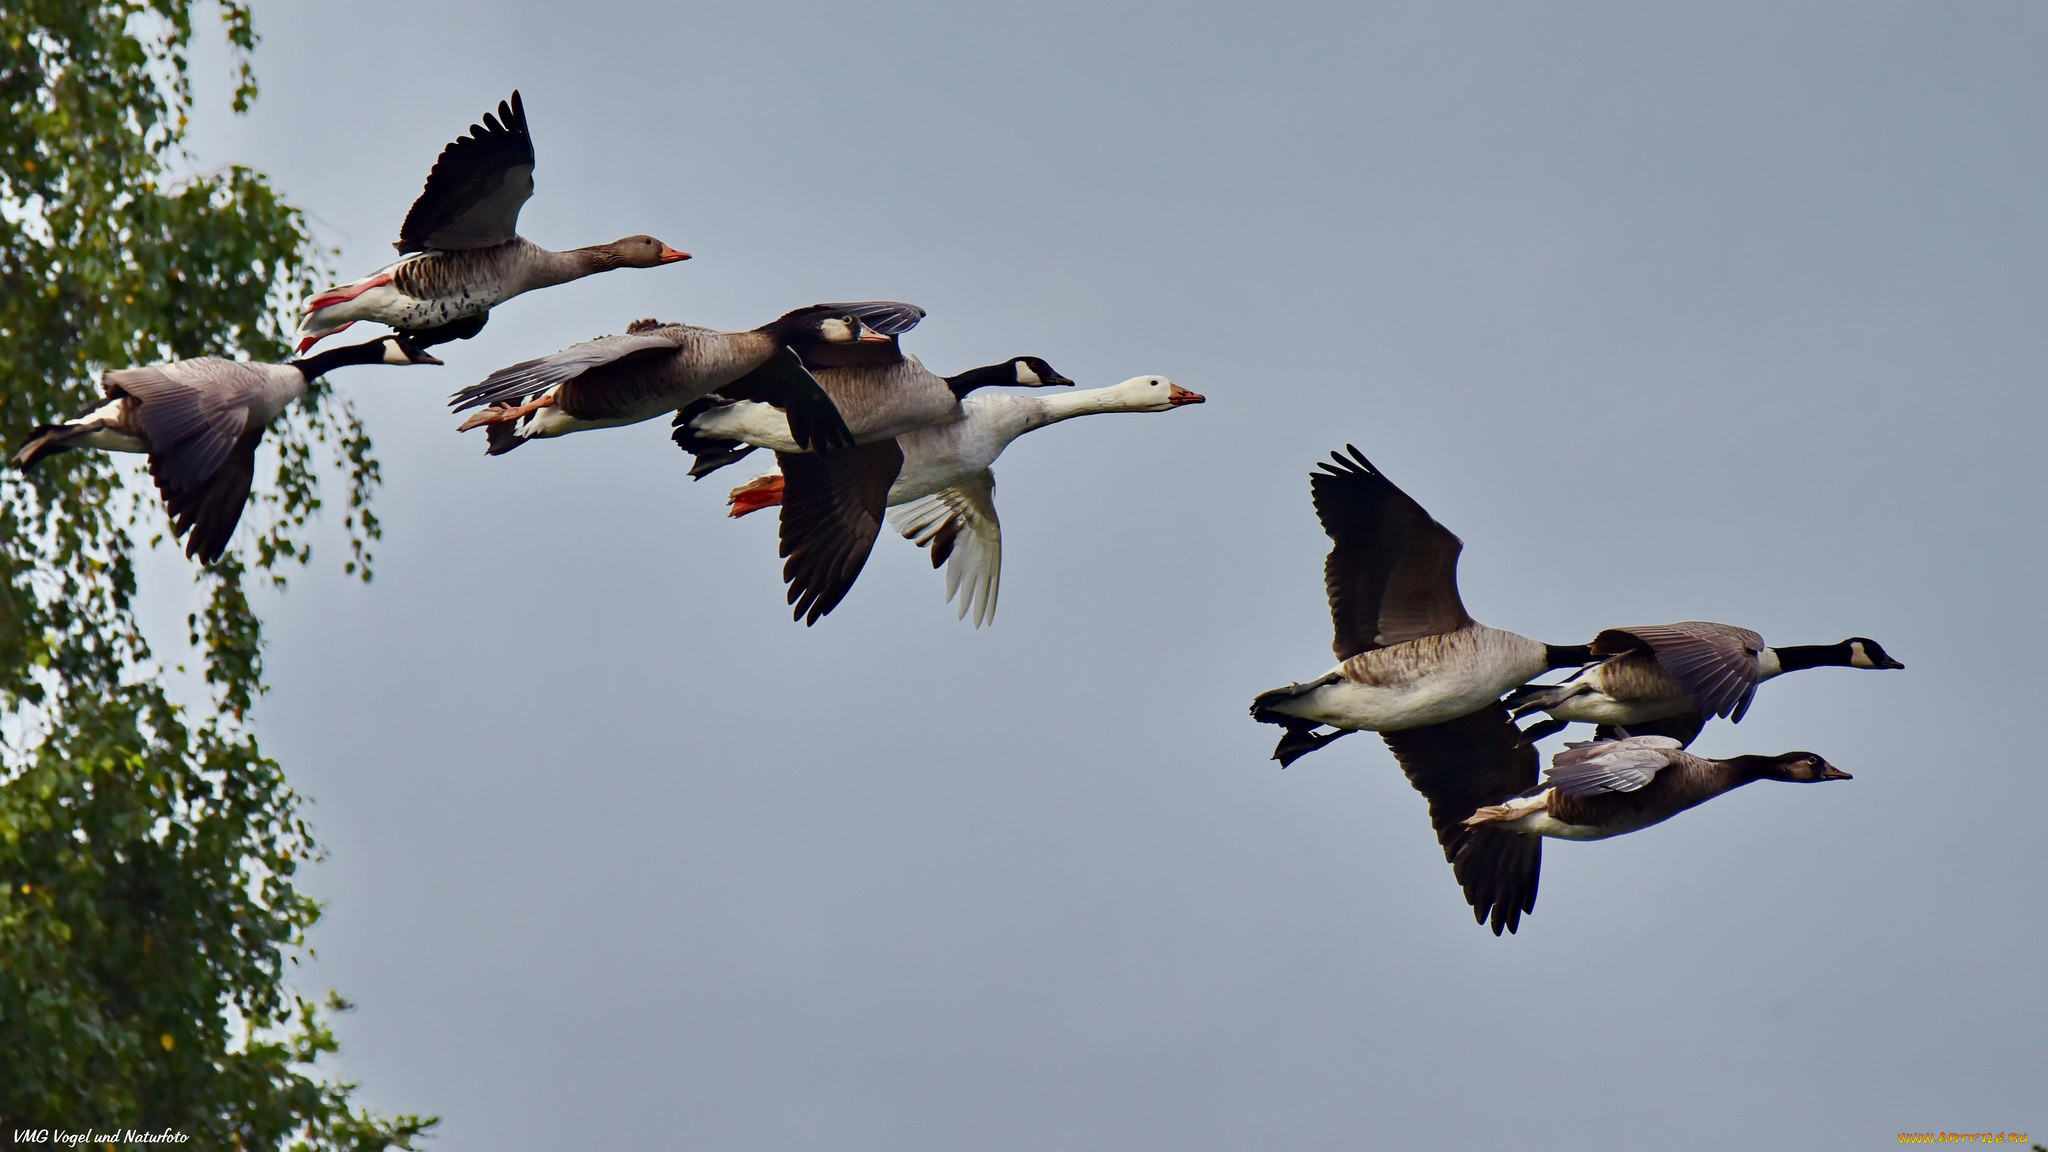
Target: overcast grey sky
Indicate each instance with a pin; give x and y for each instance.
(1729, 312)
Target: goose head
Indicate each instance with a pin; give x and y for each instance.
(819, 324)
(402, 348)
(1149, 394)
(639, 252)
(1032, 372)
(1796, 768)
(1024, 371)
(1866, 653)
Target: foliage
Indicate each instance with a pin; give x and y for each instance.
(147, 846)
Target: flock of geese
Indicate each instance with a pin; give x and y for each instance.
(863, 432)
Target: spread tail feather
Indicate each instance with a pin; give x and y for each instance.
(1262, 704)
(45, 440)
(502, 438)
(1540, 697)
(1299, 741)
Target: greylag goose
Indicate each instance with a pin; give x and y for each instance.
(656, 368)
(944, 496)
(1670, 679)
(1408, 655)
(200, 422)
(460, 252)
(1592, 791)
(832, 502)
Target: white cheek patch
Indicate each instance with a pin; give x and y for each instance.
(1025, 375)
(1858, 658)
(835, 331)
(393, 354)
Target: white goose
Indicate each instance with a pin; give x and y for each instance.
(944, 495)
(461, 253)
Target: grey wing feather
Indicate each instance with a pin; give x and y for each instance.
(1610, 765)
(1716, 663)
(889, 317)
(192, 412)
(532, 377)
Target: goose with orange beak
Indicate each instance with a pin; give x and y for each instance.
(460, 250)
(943, 497)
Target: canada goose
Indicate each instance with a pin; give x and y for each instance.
(1409, 657)
(1592, 791)
(944, 496)
(200, 422)
(1669, 679)
(656, 368)
(460, 252)
(832, 502)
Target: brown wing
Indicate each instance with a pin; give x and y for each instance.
(832, 505)
(1392, 572)
(1461, 766)
(1716, 663)
(210, 509)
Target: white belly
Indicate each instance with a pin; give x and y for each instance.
(552, 421)
(1413, 702)
(1544, 824)
(749, 422)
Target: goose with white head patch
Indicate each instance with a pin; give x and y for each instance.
(1593, 791)
(1409, 655)
(200, 422)
(656, 368)
(1670, 679)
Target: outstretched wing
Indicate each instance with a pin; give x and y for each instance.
(1598, 766)
(1392, 572)
(889, 317)
(959, 525)
(533, 377)
(832, 505)
(1716, 663)
(477, 186)
(1461, 766)
(210, 510)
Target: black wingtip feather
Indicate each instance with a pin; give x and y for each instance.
(210, 511)
(44, 441)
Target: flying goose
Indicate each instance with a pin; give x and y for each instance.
(1669, 679)
(1409, 657)
(1592, 791)
(200, 422)
(460, 252)
(832, 502)
(656, 368)
(944, 496)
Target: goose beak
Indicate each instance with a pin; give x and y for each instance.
(670, 255)
(1180, 396)
(870, 336)
(1831, 772)
(424, 358)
